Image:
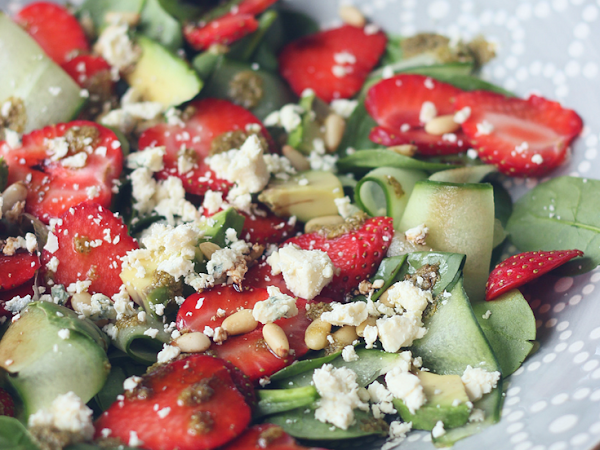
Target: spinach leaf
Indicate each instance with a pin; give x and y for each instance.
(371, 159)
(14, 435)
(273, 401)
(157, 24)
(450, 267)
(562, 213)
(510, 328)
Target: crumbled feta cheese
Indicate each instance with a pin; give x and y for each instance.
(131, 383)
(399, 331)
(345, 207)
(306, 272)
(17, 304)
(477, 415)
(370, 334)
(343, 107)
(134, 440)
(77, 161)
(484, 128)
(79, 286)
(405, 295)
(51, 243)
(66, 413)
(213, 201)
(397, 433)
(462, 115)
(349, 354)
(537, 159)
(64, 333)
(168, 353)
(438, 430)
(387, 72)
(277, 306)
(115, 47)
(12, 138)
(406, 387)
(150, 158)
(487, 315)
(346, 314)
(417, 235)
(339, 395)
(472, 153)
(478, 382)
(428, 112)
(152, 332)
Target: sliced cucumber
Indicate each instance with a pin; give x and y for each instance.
(453, 341)
(161, 76)
(50, 95)
(139, 346)
(363, 160)
(273, 401)
(470, 174)
(460, 218)
(510, 328)
(385, 191)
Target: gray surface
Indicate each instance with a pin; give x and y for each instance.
(549, 47)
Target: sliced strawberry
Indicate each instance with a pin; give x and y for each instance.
(83, 68)
(188, 404)
(17, 269)
(355, 254)
(7, 404)
(225, 30)
(211, 119)
(520, 269)
(397, 101)
(248, 351)
(334, 63)
(267, 229)
(260, 277)
(266, 435)
(427, 144)
(253, 6)
(53, 184)
(55, 29)
(522, 137)
(91, 242)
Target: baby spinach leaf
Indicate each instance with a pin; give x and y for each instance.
(562, 213)
(14, 435)
(509, 328)
(273, 401)
(157, 24)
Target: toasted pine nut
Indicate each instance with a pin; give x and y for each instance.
(378, 284)
(276, 339)
(345, 335)
(406, 149)
(16, 192)
(316, 334)
(323, 221)
(370, 321)
(335, 125)
(297, 159)
(384, 298)
(115, 17)
(441, 125)
(81, 302)
(240, 322)
(218, 49)
(195, 342)
(208, 248)
(352, 16)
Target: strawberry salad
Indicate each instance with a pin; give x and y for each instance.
(222, 227)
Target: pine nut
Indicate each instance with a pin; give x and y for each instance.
(195, 342)
(240, 322)
(352, 16)
(384, 298)
(442, 125)
(276, 339)
(324, 221)
(345, 335)
(16, 192)
(316, 334)
(81, 302)
(370, 321)
(406, 150)
(218, 49)
(208, 248)
(297, 159)
(335, 125)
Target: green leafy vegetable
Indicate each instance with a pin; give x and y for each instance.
(157, 24)
(14, 435)
(562, 213)
(510, 328)
(371, 159)
(449, 265)
(273, 401)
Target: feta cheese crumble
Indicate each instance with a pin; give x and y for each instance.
(276, 307)
(478, 382)
(66, 413)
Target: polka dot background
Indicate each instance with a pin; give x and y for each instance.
(550, 47)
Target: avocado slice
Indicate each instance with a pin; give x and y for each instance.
(163, 77)
(216, 226)
(49, 94)
(304, 199)
(446, 401)
(49, 351)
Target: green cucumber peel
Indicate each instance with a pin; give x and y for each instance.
(385, 191)
(14, 435)
(510, 328)
(300, 367)
(139, 346)
(301, 423)
(560, 214)
(157, 24)
(470, 174)
(363, 160)
(274, 401)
